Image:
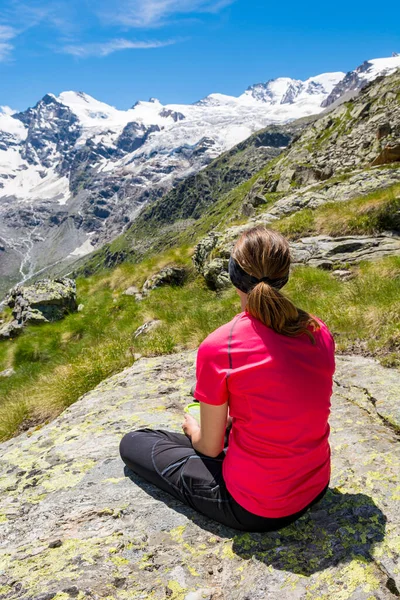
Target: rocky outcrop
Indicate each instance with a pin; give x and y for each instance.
(364, 131)
(74, 522)
(45, 301)
(324, 251)
(358, 184)
(211, 255)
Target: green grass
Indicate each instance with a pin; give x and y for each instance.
(363, 313)
(367, 215)
(56, 363)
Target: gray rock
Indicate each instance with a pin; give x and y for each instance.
(117, 530)
(131, 291)
(169, 275)
(7, 372)
(80, 307)
(45, 301)
(343, 274)
(146, 327)
(10, 330)
(248, 209)
(216, 274)
(326, 251)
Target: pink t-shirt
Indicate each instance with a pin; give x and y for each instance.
(278, 389)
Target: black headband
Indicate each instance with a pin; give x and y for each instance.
(245, 282)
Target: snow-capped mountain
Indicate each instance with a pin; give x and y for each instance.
(357, 79)
(75, 171)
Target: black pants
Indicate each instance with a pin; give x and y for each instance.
(169, 461)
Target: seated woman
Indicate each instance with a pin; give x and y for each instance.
(272, 367)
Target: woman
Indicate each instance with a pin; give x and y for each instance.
(272, 366)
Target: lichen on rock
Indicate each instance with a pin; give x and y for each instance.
(76, 523)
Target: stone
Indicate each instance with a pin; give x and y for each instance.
(248, 209)
(122, 537)
(390, 154)
(324, 251)
(45, 301)
(7, 372)
(131, 291)
(216, 274)
(10, 330)
(343, 274)
(169, 275)
(204, 249)
(383, 130)
(146, 327)
(80, 307)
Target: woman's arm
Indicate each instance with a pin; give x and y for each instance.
(208, 439)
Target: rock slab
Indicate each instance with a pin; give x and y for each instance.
(75, 523)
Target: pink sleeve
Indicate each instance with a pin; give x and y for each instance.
(212, 367)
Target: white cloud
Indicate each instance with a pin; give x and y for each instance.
(106, 48)
(7, 34)
(65, 17)
(154, 13)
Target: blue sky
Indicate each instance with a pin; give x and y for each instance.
(120, 51)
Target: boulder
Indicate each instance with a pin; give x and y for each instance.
(383, 130)
(75, 522)
(203, 250)
(45, 301)
(169, 275)
(216, 274)
(390, 154)
(10, 330)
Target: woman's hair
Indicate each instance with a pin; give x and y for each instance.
(264, 253)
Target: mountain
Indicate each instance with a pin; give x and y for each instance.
(349, 152)
(75, 172)
(357, 79)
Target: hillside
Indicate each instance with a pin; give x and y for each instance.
(349, 152)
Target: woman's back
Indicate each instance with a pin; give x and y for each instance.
(279, 391)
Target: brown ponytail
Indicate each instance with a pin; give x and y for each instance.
(263, 252)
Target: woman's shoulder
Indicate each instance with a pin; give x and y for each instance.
(220, 336)
(323, 326)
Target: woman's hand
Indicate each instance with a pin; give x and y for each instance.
(190, 426)
(209, 438)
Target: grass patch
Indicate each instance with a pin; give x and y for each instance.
(367, 215)
(57, 363)
(363, 313)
